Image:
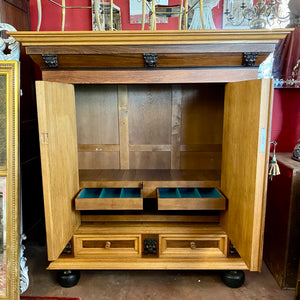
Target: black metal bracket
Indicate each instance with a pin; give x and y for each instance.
(50, 60)
(249, 59)
(150, 60)
(150, 246)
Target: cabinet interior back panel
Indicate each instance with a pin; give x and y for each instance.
(149, 114)
(150, 126)
(97, 126)
(202, 109)
(97, 114)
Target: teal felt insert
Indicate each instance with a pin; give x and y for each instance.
(169, 193)
(90, 193)
(131, 193)
(189, 193)
(210, 193)
(110, 193)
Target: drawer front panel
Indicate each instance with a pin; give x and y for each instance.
(193, 245)
(109, 199)
(107, 245)
(190, 199)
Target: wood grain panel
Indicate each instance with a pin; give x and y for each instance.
(123, 126)
(150, 38)
(99, 160)
(164, 60)
(202, 114)
(222, 49)
(97, 114)
(201, 160)
(104, 148)
(151, 218)
(244, 168)
(150, 175)
(176, 126)
(149, 114)
(150, 160)
(58, 145)
(155, 76)
(150, 147)
(15, 13)
(198, 263)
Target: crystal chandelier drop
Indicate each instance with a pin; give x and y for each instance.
(264, 13)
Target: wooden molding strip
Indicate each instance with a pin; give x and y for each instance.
(200, 75)
(97, 148)
(123, 126)
(65, 38)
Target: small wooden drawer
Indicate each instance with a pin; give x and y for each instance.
(193, 245)
(109, 199)
(190, 199)
(107, 245)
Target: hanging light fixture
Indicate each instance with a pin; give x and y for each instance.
(264, 13)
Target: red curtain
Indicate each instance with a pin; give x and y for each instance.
(287, 60)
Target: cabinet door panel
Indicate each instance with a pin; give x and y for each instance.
(58, 146)
(245, 164)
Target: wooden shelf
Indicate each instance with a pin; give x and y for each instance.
(100, 178)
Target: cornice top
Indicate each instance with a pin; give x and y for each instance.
(165, 37)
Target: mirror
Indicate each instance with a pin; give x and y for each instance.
(9, 180)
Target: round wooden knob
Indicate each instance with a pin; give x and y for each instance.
(193, 245)
(107, 245)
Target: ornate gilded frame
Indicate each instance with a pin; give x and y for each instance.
(9, 176)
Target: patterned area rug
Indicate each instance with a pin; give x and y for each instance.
(49, 298)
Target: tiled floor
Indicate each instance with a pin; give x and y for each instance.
(140, 285)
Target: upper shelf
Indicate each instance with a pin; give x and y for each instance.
(140, 50)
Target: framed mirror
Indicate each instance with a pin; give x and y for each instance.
(9, 180)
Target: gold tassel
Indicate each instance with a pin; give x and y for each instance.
(273, 166)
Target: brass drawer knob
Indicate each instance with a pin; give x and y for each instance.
(193, 245)
(107, 245)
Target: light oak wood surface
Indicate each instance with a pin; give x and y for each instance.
(244, 165)
(58, 146)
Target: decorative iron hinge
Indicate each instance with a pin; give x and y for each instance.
(150, 60)
(50, 60)
(249, 59)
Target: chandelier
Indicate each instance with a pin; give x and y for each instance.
(264, 13)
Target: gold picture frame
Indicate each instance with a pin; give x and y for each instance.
(9, 181)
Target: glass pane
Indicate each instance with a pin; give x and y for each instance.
(2, 236)
(2, 120)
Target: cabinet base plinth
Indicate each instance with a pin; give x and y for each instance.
(148, 264)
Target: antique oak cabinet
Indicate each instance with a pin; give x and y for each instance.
(154, 147)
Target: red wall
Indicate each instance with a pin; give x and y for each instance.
(80, 19)
(286, 119)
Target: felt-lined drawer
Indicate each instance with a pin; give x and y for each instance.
(109, 199)
(190, 199)
(107, 245)
(193, 245)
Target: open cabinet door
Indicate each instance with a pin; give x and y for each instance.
(247, 111)
(58, 146)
